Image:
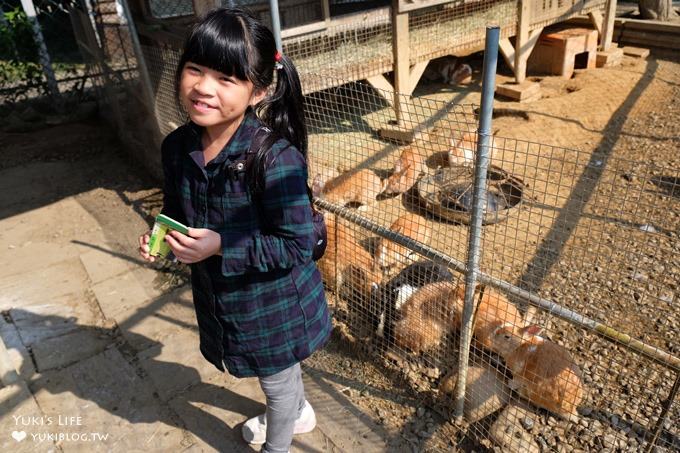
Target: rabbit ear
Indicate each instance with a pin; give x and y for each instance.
(505, 326)
(317, 185)
(531, 330)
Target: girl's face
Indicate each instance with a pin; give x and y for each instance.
(215, 100)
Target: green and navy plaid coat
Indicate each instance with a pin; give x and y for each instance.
(260, 306)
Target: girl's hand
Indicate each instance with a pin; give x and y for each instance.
(198, 245)
(144, 247)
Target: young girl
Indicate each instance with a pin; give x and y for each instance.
(258, 294)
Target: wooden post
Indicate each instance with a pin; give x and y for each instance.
(508, 52)
(201, 7)
(596, 20)
(325, 7)
(608, 25)
(521, 40)
(400, 51)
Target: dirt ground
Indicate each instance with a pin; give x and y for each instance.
(597, 233)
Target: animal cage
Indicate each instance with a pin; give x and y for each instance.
(542, 376)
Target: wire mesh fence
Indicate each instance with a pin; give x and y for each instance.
(574, 231)
(22, 76)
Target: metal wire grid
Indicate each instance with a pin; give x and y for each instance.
(164, 9)
(162, 63)
(458, 26)
(580, 229)
(22, 76)
(344, 52)
(363, 49)
(292, 13)
(548, 12)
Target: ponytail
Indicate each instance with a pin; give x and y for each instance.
(283, 112)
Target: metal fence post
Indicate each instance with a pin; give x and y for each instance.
(147, 87)
(276, 23)
(478, 207)
(43, 54)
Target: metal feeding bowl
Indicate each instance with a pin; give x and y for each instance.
(448, 193)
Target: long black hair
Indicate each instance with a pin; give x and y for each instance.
(233, 42)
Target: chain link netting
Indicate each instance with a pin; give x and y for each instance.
(21, 73)
(593, 230)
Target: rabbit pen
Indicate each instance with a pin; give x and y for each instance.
(592, 232)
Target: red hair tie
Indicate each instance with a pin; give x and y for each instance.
(277, 56)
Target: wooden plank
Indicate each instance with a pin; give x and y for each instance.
(521, 38)
(383, 86)
(653, 26)
(531, 43)
(415, 73)
(325, 7)
(404, 6)
(508, 52)
(400, 51)
(303, 29)
(525, 91)
(596, 19)
(201, 7)
(608, 25)
(636, 52)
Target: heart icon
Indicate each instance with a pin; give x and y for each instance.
(19, 435)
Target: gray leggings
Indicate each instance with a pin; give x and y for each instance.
(285, 400)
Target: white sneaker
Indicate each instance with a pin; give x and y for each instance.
(254, 431)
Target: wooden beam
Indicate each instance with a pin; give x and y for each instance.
(415, 73)
(521, 38)
(531, 42)
(400, 52)
(608, 25)
(508, 52)
(383, 87)
(325, 7)
(303, 29)
(201, 7)
(596, 19)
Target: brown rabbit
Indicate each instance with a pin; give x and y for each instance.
(427, 316)
(320, 175)
(464, 149)
(346, 265)
(361, 186)
(543, 372)
(389, 254)
(492, 310)
(407, 169)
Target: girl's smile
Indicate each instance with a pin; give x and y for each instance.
(202, 107)
(215, 100)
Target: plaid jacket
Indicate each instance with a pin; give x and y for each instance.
(260, 307)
